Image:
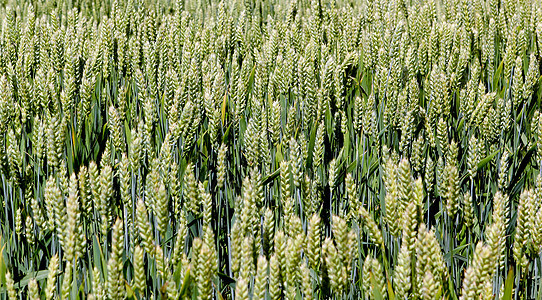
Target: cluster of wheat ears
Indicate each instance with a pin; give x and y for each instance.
(270, 149)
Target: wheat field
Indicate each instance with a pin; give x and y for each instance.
(270, 149)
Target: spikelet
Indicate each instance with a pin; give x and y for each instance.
(314, 242)
(260, 280)
(172, 291)
(429, 286)
(340, 234)
(285, 185)
(372, 275)
(51, 278)
(275, 281)
(190, 191)
(72, 220)
(306, 282)
(531, 77)
(205, 272)
(537, 119)
(247, 267)
(54, 207)
(39, 138)
(391, 199)
(358, 113)
(144, 227)
(248, 217)
(53, 147)
(221, 166)
(428, 259)
(500, 221)
(33, 290)
(12, 295)
(97, 284)
(410, 224)
(371, 226)
(280, 252)
(235, 246)
(294, 248)
(38, 215)
(440, 177)
(138, 145)
(241, 289)
(494, 240)
(296, 162)
(334, 265)
(536, 231)
(67, 281)
(404, 186)
(477, 273)
(106, 193)
(332, 176)
(472, 157)
(161, 209)
(468, 209)
(525, 207)
(417, 157)
(429, 176)
(418, 192)
(115, 286)
(114, 125)
(517, 82)
(123, 173)
(318, 155)
(274, 127)
(18, 223)
(139, 271)
(442, 136)
(251, 142)
(268, 231)
(481, 109)
(94, 183)
(402, 272)
(352, 193)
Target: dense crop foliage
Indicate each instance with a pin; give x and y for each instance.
(271, 149)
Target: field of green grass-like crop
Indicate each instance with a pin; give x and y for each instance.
(270, 149)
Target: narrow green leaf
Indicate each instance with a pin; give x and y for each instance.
(377, 294)
(391, 294)
(2, 265)
(487, 159)
(186, 282)
(509, 285)
(224, 103)
(40, 275)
